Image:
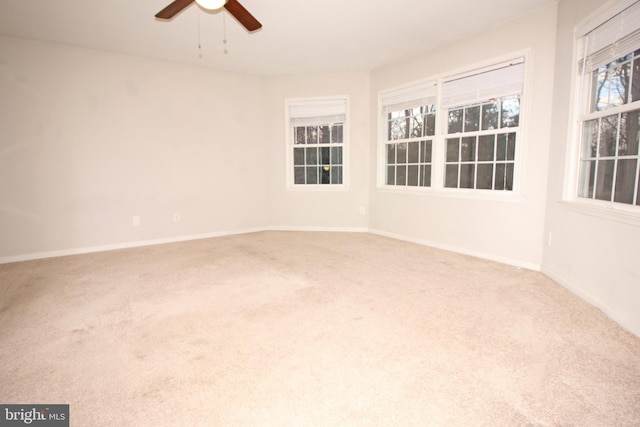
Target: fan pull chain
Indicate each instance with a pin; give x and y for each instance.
(224, 31)
(199, 34)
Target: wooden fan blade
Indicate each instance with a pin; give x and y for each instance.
(173, 9)
(242, 15)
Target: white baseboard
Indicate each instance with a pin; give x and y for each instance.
(321, 229)
(594, 301)
(451, 248)
(126, 245)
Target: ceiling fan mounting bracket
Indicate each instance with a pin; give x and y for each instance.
(232, 6)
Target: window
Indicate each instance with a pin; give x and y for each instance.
(461, 136)
(609, 67)
(316, 141)
(410, 124)
(483, 122)
(481, 144)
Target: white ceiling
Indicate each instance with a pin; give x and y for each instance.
(298, 36)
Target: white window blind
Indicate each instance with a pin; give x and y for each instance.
(317, 111)
(496, 81)
(409, 97)
(611, 37)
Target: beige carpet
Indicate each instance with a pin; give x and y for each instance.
(308, 329)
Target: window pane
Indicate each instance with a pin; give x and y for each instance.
(608, 135)
(455, 121)
(500, 176)
(391, 153)
(511, 146)
(453, 149)
(490, 115)
(298, 156)
(325, 174)
(414, 148)
(312, 134)
(397, 126)
(415, 122)
(501, 147)
(468, 152)
(430, 125)
(508, 176)
(625, 181)
(312, 175)
(300, 134)
(590, 138)
(587, 178)
(629, 135)
(451, 176)
(472, 118)
(312, 156)
(485, 176)
(604, 180)
(336, 133)
(425, 175)
(391, 175)
(619, 84)
(325, 134)
(425, 151)
(486, 147)
(412, 175)
(336, 175)
(401, 153)
(510, 112)
(326, 155)
(467, 175)
(336, 155)
(600, 95)
(401, 175)
(298, 175)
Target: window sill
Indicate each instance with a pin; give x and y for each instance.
(318, 187)
(456, 193)
(624, 214)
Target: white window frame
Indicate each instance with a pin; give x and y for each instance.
(437, 188)
(411, 96)
(616, 211)
(317, 107)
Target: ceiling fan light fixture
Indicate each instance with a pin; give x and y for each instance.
(211, 4)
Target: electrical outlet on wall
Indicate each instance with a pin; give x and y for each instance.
(135, 221)
(176, 217)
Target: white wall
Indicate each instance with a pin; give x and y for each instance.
(596, 256)
(308, 209)
(506, 231)
(89, 139)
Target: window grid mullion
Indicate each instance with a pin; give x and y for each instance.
(460, 156)
(616, 159)
(636, 178)
(475, 167)
(495, 162)
(597, 161)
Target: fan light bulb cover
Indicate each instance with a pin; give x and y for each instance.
(211, 4)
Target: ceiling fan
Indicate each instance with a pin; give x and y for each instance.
(233, 7)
